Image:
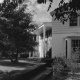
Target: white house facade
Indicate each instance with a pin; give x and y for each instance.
(65, 37)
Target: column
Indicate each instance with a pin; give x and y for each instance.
(37, 39)
(40, 47)
(29, 54)
(33, 54)
(44, 29)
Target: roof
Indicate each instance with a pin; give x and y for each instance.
(47, 25)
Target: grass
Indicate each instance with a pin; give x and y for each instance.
(9, 70)
(6, 65)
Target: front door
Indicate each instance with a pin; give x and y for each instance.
(75, 50)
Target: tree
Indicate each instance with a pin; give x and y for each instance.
(17, 27)
(71, 7)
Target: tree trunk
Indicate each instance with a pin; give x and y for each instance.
(14, 57)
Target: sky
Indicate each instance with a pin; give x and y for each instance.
(1, 1)
(40, 10)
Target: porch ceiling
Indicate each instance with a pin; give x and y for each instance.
(46, 28)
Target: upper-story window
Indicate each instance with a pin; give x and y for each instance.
(73, 20)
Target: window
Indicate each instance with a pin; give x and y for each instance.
(75, 45)
(49, 33)
(73, 20)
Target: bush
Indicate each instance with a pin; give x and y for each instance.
(58, 65)
(59, 60)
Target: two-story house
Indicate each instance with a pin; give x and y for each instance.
(65, 37)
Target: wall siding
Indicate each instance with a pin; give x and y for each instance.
(58, 27)
(60, 32)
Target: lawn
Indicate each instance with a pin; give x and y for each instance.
(9, 70)
(6, 65)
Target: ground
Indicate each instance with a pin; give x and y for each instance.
(74, 74)
(7, 66)
(9, 70)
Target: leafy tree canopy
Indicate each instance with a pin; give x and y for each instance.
(16, 28)
(71, 7)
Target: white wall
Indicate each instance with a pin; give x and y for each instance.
(59, 44)
(59, 33)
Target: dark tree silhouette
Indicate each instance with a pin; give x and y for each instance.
(16, 29)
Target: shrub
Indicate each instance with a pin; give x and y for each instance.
(58, 65)
(59, 60)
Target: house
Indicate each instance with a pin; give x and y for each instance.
(44, 38)
(65, 37)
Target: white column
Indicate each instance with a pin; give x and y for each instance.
(40, 47)
(29, 54)
(33, 55)
(37, 40)
(44, 30)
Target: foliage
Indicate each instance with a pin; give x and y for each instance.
(16, 28)
(64, 10)
(75, 56)
(58, 65)
(60, 69)
(44, 1)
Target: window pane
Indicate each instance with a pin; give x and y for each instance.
(76, 41)
(73, 20)
(75, 44)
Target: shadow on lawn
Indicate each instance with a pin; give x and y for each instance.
(10, 64)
